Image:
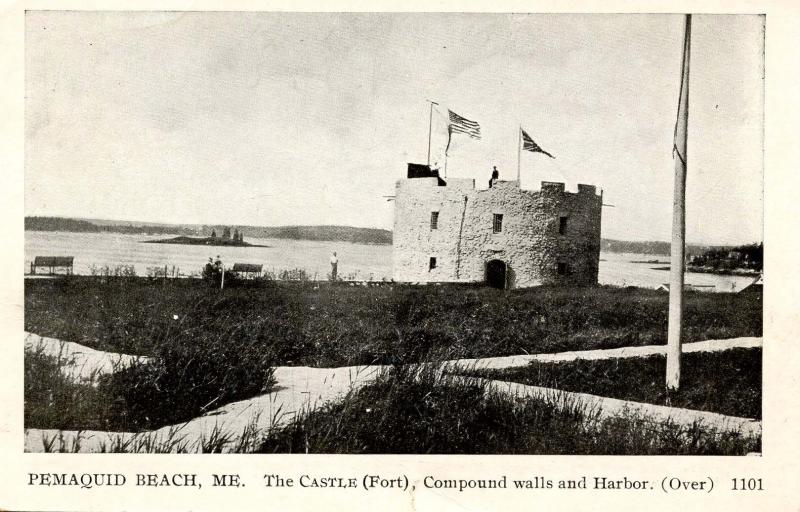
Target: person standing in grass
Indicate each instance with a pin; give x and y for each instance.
(208, 270)
(218, 271)
(334, 266)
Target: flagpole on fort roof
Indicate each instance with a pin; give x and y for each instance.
(519, 155)
(678, 247)
(447, 149)
(430, 129)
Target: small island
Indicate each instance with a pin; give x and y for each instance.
(227, 240)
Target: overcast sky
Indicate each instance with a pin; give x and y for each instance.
(274, 119)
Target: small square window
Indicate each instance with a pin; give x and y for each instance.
(562, 225)
(432, 264)
(497, 224)
(563, 268)
(434, 220)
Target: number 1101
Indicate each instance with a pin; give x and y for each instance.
(747, 484)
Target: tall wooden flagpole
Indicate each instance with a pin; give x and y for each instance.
(519, 154)
(430, 129)
(445, 164)
(678, 248)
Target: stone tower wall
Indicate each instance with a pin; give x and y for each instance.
(529, 243)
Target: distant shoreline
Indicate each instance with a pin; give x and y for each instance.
(319, 233)
(209, 241)
(315, 233)
(707, 270)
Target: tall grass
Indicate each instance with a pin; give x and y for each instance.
(726, 382)
(208, 347)
(305, 323)
(422, 412)
(408, 409)
(188, 375)
(54, 400)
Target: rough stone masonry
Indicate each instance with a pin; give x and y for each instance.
(504, 236)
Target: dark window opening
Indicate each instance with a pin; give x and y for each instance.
(563, 269)
(497, 224)
(562, 225)
(434, 220)
(432, 264)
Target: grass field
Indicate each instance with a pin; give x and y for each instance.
(54, 401)
(401, 414)
(172, 389)
(209, 346)
(724, 382)
(323, 325)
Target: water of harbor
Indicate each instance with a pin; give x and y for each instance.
(356, 261)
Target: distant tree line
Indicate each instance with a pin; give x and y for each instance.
(654, 248)
(323, 233)
(83, 226)
(750, 256)
(337, 234)
(327, 233)
(657, 248)
(318, 233)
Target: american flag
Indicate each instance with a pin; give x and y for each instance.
(463, 125)
(529, 145)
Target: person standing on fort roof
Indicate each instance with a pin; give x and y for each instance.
(334, 266)
(495, 176)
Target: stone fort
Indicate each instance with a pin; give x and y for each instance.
(506, 237)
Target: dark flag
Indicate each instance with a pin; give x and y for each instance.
(529, 145)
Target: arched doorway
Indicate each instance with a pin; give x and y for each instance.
(496, 274)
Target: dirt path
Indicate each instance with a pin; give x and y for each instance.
(302, 388)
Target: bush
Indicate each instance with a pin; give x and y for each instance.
(115, 271)
(295, 274)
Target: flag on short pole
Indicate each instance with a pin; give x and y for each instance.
(529, 145)
(458, 124)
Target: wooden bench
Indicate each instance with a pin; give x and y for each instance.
(248, 269)
(53, 262)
